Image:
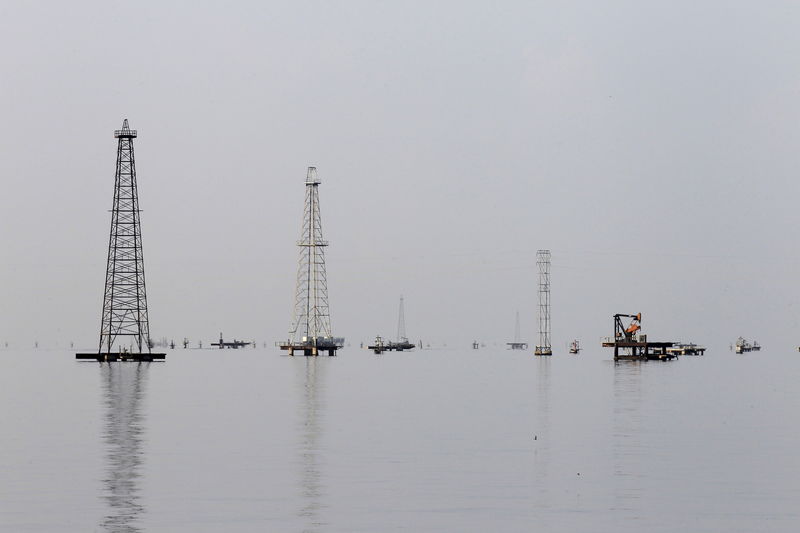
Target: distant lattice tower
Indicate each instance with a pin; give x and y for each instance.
(543, 263)
(401, 323)
(311, 323)
(125, 326)
(517, 344)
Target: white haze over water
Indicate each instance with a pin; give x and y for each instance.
(651, 146)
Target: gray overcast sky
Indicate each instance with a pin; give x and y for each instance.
(652, 146)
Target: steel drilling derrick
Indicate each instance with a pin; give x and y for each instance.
(310, 331)
(401, 323)
(517, 344)
(543, 264)
(125, 325)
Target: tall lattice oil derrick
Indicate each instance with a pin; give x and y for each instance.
(310, 331)
(517, 344)
(401, 323)
(125, 325)
(543, 264)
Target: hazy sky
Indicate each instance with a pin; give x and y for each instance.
(652, 146)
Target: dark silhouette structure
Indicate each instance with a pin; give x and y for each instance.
(125, 325)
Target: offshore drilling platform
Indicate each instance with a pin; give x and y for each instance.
(125, 326)
(310, 332)
(380, 345)
(517, 344)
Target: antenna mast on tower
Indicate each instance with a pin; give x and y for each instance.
(543, 263)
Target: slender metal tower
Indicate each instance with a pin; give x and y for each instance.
(125, 327)
(401, 323)
(311, 321)
(517, 344)
(543, 262)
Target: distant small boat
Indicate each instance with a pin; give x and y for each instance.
(574, 347)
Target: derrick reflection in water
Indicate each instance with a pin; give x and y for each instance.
(123, 389)
(309, 433)
(628, 449)
(541, 452)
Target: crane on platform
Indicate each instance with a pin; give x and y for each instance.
(627, 333)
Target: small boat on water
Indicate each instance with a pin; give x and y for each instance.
(574, 347)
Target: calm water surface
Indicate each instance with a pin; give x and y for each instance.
(433, 440)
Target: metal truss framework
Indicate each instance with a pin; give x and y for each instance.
(311, 321)
(401, 323)
(125, 324)
(543, 263)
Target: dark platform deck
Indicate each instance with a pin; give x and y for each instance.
(136, 357)
(392, 347)
(687, 349)
(641, 350)
(308, 350)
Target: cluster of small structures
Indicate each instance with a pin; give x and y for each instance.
(125, 329)
(125, 326)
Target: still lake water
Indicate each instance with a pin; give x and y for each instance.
(432, 440)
